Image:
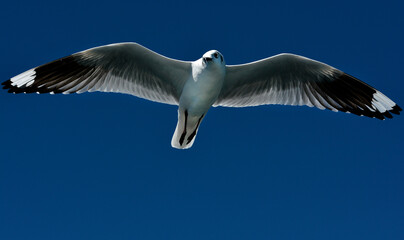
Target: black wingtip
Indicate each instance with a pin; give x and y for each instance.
(9, 87)
(379, 116)
(387, 114)
(396, 110)
(6, 84)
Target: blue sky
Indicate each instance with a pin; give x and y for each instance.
(100, 166)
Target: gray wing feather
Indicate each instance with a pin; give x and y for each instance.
(125, 68)
(294, 80)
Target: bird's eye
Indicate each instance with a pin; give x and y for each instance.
(215, 55)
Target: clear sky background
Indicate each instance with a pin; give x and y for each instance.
(100, 166)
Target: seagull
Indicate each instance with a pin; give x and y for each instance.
(194, 87)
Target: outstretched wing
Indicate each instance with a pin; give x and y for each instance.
(294, 80)
(125, 68)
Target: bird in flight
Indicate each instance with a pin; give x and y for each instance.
(130, 68)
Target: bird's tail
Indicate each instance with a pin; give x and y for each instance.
(186, 130)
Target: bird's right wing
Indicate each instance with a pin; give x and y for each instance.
(125, 68)
(294, 80)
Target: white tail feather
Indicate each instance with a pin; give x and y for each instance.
(186, 130)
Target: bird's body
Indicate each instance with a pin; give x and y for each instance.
(200, 92)
(196, 86)
(203, 86)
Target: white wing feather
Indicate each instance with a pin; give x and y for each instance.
(125, 68)
(294, 80)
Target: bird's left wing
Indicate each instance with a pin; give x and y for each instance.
(125, 68)
(294, 80)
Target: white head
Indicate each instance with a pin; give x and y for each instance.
(213, 57)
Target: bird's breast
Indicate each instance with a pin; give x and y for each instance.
(201, 91)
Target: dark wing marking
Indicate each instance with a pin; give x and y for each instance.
(294, 80)
(126, 68)
(184, 133)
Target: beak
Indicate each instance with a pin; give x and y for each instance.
(206, 59)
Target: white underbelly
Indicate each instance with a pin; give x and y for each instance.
(198, 96)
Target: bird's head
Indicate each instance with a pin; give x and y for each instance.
(213, 57)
